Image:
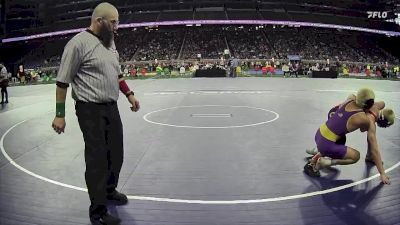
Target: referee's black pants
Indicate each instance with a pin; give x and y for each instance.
(102, 131)
(4, 93)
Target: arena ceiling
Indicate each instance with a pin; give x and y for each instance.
(20, 17)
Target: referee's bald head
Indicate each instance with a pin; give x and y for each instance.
(104, 10)
(105, 22)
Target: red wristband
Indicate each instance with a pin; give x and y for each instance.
(124, 87)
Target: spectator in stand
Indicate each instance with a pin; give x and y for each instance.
(21, 74)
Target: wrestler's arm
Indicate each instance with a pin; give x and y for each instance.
(374, 149)
(373, 112)
(379, 105)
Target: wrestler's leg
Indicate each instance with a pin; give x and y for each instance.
(351, 156)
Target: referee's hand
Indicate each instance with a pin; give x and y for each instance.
(58, 125)
(135, 103)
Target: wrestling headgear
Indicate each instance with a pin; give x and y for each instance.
(365, 98)
(385, 118)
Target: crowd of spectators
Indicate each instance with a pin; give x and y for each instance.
(127, 43)
(249, 43)
(210, 42)
(160, 45)
(47, 54)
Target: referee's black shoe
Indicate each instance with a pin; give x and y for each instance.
(117, 198)
(104, 219)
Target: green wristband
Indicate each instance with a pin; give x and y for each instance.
(60, 109)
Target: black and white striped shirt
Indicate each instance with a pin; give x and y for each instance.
(92, 69)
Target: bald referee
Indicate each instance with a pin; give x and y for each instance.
(90, 63)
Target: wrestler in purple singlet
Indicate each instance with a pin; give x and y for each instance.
(338, 125)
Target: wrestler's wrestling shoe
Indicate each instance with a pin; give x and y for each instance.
(311, 171)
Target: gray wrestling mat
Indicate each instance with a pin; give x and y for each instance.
(201, 151)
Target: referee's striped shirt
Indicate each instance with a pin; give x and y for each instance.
(91, 68)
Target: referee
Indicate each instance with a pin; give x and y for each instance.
(90, 63)
(3, 83)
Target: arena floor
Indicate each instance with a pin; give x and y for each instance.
(201, 151)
